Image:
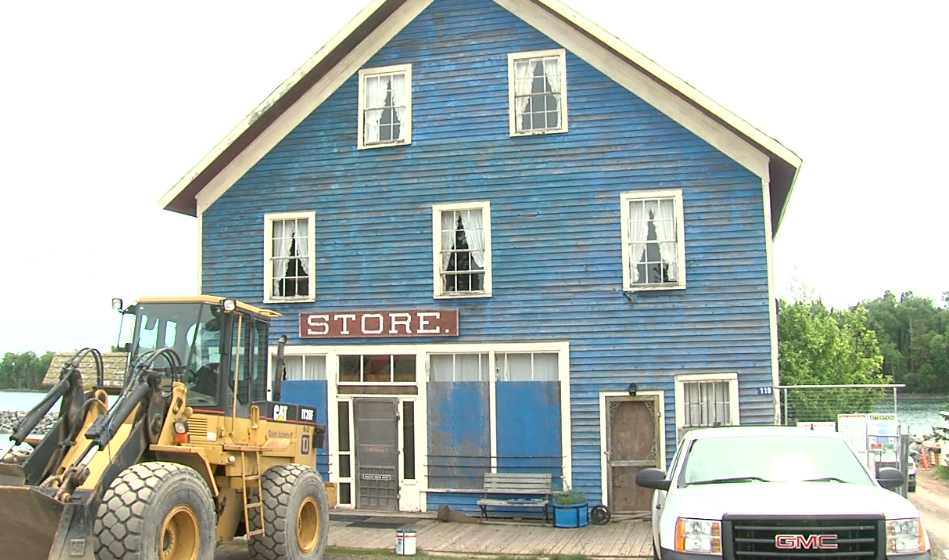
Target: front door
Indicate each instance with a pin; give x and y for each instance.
(377, 453)
(632, 445)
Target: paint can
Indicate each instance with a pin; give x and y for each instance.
(405, 543)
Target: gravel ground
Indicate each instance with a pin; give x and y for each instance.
(932, 499)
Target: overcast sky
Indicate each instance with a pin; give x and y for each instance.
(107, 104)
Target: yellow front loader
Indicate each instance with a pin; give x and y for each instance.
(192, 451)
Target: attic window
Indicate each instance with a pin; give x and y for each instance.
(538, 90)
(385, 106)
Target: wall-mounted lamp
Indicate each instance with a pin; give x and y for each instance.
(632, 389)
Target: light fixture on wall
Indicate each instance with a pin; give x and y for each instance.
(632, 389)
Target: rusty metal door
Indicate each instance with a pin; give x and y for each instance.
(377, 453)
(632, 434)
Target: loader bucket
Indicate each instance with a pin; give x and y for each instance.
(37, 527)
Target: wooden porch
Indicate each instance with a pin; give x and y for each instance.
(626, 538)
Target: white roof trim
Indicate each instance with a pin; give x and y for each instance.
(655, 85)
(270, 101)
(674, 82)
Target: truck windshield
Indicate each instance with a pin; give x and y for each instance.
(192, 330)
(768, 459)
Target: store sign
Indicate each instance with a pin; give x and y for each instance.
(376, 324)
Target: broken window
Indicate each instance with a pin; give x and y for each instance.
(539, 103)
(290, 256)
(653, 239)
(463, 250)
(385, 106)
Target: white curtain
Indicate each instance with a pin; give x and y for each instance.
(638, 229)
(523, 83)
(376, 88)
(474, 231)
(303, 244)
(552, 72)
(666, 235)
(398, 101)
(448, 237)
(281, 252)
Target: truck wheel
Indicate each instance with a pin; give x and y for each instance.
(156, 511)
(296, 515)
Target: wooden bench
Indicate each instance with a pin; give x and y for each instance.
(521, 484)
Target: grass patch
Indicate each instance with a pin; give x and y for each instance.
(941, 472)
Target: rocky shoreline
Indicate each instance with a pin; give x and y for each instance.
(10, 418)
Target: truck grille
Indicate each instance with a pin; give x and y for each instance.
(840, 538)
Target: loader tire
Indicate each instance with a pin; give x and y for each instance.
(156, 511)
(296, 515)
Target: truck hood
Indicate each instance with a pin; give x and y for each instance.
(713, 501)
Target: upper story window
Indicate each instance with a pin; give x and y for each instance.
(385, 106)
(653, 240)
(289, 242)
(462, 255)
(538, 85)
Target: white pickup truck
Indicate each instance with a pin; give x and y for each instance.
(772, 492)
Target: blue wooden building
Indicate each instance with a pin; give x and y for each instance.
(500, 240)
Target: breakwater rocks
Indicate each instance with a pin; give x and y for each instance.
(10, 418)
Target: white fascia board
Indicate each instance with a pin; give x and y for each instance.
(660, 73)
(288, 120)
(269, 102)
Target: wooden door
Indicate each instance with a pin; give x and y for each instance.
(632, 444)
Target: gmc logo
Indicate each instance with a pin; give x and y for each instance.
(795, 542)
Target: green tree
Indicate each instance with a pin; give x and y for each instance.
(914, 338)
(821, 346)
(23, 371)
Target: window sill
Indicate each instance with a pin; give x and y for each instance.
(384, 145)
(290, 300)
(656, 288)
(539, 132)
(471, 295)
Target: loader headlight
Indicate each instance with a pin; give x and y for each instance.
(698, 535)
(906, 536)
(181, 431)
(230, 305)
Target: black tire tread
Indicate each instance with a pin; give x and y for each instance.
(121, 516)
(277, 485)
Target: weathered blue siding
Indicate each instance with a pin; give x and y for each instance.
(554, 204)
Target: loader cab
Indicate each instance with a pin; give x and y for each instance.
(222, 344)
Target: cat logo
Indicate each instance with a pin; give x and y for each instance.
(305, 444)
(280, 412)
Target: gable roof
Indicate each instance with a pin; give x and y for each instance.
(113, 368)
(381, 20)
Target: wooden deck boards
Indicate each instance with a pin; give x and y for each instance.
(618, 539)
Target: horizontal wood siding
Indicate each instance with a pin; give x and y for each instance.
(555, 221)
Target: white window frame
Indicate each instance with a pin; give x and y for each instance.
(683, 379)
(437, 210)
(269, 220)
(625, 200)
(406, 123)
(561, 55)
